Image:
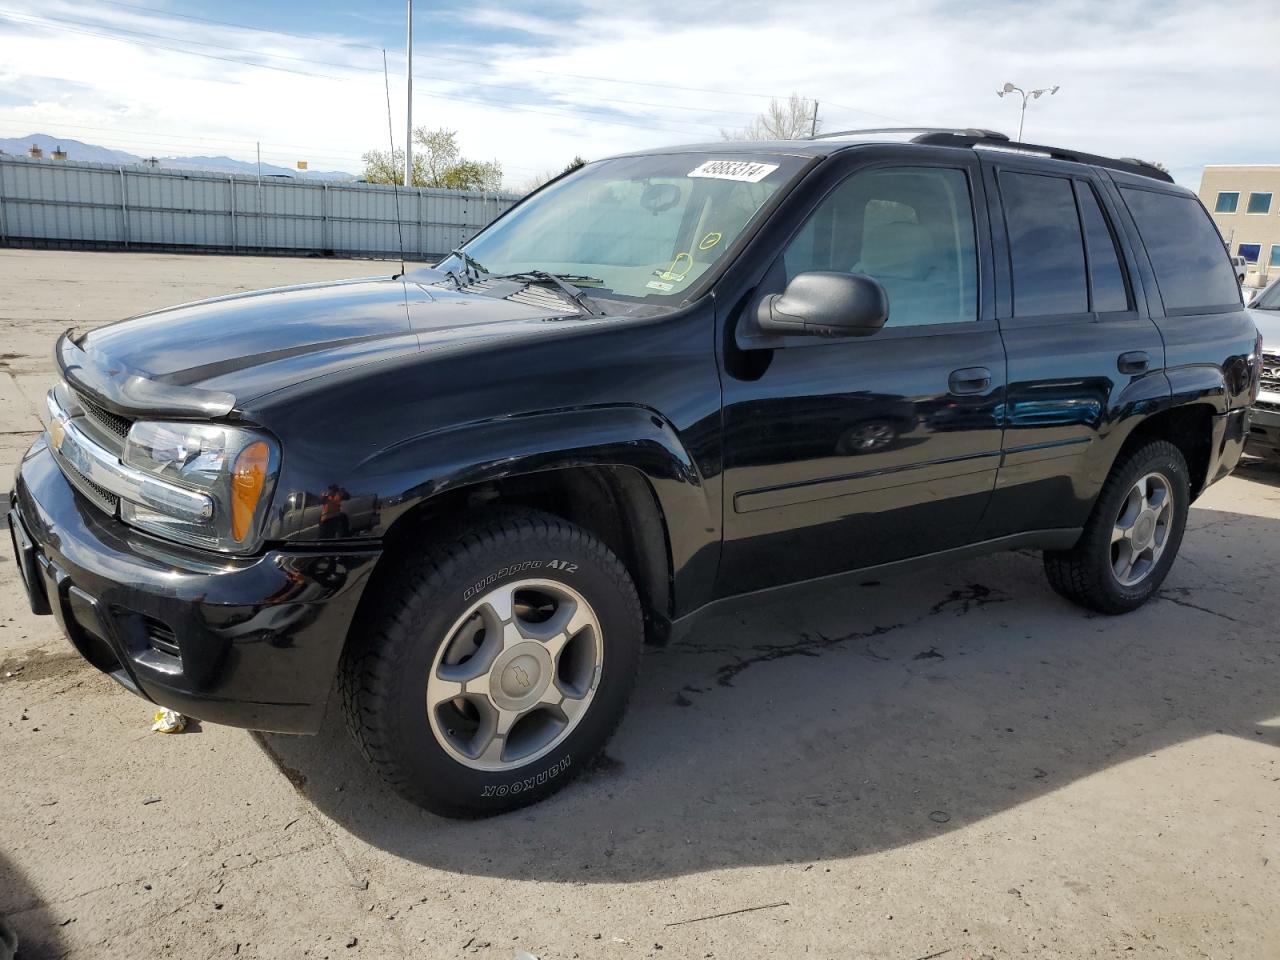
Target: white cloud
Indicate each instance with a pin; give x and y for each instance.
(1176, 82)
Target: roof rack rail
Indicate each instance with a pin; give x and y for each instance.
(980, 138)
(925, 131)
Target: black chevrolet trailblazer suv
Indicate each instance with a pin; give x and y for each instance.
(667, 380)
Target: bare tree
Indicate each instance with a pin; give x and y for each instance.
(790, 119)
(538, 179)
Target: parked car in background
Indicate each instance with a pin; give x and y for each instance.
(1241, 266)
(1264, 423)
(659, 384)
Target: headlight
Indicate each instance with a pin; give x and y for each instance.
(236, 467)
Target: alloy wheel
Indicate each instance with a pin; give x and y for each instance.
(1141, 530)
(515, 674)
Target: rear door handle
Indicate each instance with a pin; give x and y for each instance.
(969, 380)
(1135, 361)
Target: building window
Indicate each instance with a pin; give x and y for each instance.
(1275, 255)
(1259, 203)
(1250, 251)
(1227, 202)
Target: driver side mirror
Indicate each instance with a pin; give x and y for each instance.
(825, 303)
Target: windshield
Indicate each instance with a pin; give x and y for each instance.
(635, 228)
(1269, 299)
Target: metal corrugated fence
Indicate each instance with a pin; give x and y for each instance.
(69, 204)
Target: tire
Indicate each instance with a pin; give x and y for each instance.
(403, 653)
(1087, 573)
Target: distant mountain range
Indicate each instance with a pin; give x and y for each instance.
(92, 153)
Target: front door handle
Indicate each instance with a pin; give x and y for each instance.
(1135, 361)
(969, 380)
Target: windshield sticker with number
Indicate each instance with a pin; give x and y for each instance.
(745, 170)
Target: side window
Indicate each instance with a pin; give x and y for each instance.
(911, 228)
(1108, 289)
(1191, 264)
(1046, 249)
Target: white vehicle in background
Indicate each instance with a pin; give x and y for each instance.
(1241, 267)
(1264, 420)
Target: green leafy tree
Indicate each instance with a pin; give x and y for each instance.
(437, 162)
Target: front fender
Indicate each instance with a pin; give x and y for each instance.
(388, 484)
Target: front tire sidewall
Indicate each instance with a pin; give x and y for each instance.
(454, 788)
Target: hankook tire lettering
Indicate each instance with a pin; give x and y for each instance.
(528, 783)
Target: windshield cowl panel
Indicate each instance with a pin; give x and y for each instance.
(652, 230)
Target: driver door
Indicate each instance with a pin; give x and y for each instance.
(848, 452)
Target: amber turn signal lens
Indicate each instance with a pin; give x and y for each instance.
(247, 479)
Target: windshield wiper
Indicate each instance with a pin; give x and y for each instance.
(568, 289)
(469, 263)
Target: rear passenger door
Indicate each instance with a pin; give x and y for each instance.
(1083, 353)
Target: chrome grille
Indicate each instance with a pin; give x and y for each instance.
(1271, 372)
(99, 497)
(102, 417)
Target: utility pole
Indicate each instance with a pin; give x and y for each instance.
(813, 127)
(262, 220)
(408, 99)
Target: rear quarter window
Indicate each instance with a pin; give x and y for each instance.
(1191, 264)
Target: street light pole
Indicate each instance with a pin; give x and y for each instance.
(408, 97)
(1026, 94)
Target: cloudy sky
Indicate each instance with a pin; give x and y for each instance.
(531, 85)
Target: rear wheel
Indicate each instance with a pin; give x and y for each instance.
(1132, 536)
(494, 667)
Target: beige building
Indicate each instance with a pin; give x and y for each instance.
(1245, 203)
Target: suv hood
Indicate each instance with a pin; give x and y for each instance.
(1268, 324)
(211, 355)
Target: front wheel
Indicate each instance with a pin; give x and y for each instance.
(495, 666)
(1132, 536)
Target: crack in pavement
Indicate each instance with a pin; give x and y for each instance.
(962, 601)
(1167, 595)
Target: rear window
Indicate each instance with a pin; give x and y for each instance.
(1191, 264)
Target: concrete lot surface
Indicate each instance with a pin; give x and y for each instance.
(954, 764)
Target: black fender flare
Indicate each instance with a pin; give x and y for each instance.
(629, 436)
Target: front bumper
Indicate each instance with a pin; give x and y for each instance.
(1264, 427)
(251, 642)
